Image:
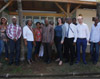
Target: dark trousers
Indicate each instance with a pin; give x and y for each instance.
(94, 50)
(14, 50)
(47, 51)
(59, 47)
(83, 43)
(69, 49)
(37, 47)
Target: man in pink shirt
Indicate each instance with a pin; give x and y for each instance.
(14, 33)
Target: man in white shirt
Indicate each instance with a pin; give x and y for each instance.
(70, 40)
(95, 41)
(83, 36)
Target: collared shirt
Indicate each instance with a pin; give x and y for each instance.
(14, 32)
(71, 31)
(28, 34)
(47, 34)
(83, 31)
(95, 33)
(38, 34)
(63, 31)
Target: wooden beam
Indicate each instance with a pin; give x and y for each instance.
(70, 1)
(75, 10)
(39, 14)
(68, 9)
(3, 8)
(61, 8)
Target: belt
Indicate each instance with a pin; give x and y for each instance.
(69, 38)
(81, 38)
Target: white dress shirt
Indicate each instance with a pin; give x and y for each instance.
(83, 31)
(95, 33)
(27, 34)
(72, 33)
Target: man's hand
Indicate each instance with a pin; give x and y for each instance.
(62, 42)
(99, 43)
(74, 43)
(15, 40)
(51, 43)
(0, 27)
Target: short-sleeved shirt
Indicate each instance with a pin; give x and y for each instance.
(58, 31)
(38, 34)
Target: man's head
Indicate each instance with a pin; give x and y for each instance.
(80, 19)
(69, 20)
(63, 20)
(96, 20)
(14, 20)
(74, 20)
(46, 22)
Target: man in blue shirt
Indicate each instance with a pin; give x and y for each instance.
(95, 41)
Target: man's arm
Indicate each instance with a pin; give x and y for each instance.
(52, 34)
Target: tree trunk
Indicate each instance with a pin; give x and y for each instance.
(98, 10)
(20, 15)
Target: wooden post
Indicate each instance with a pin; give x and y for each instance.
(20, 15)
(75, 10)
(98, 10)
(68, 9)
(61, 9)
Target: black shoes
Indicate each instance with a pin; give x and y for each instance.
(71, 63)
(11, 63)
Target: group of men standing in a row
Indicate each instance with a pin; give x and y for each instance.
(78, 35)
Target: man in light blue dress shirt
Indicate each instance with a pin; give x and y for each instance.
(95, 41)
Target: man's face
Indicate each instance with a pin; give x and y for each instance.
(14, 20)
(96, 20)
(80, 20)
(74, 20)
(46, 22)
(69, 21)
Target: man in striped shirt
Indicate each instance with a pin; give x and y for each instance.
(14, 33)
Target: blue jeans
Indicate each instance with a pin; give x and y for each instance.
(83, 43)
(29, 47)
(1, 47)
(94, 50)
(6, 49)
(14, 50)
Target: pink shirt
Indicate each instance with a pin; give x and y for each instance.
(38, 34)
(14, 32)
